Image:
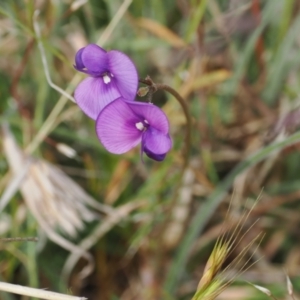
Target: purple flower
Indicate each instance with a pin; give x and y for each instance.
(122, 125)
(112, 75)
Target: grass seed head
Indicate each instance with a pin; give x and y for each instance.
(213, 264)
(210, 291)
(214, 279)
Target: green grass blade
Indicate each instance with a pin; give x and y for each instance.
(282, 63)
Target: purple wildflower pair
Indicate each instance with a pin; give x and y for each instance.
(107, 96)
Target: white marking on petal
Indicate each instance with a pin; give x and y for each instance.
(146, 121)
(106, 79)
(139, 126)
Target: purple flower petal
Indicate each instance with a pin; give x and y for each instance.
(157, 157)
(94, 59)
(78, 60)
(116, 129)
(152, 114)
(155, 142)
(92, 95)
(125, 73)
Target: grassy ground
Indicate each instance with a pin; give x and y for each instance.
(112, 227)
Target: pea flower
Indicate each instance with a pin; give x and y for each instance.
(112, 75)
(122, 125)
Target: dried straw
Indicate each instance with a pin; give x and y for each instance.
(37, 293)
(55, 200)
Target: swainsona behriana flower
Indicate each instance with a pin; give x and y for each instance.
(112, 74)
(122, 125)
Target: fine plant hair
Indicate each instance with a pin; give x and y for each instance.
(215, 279)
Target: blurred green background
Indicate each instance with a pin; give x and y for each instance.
(147, 229)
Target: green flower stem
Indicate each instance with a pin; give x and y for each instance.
(205, 211)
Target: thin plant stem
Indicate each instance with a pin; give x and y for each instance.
(44, 60)
(33, 278)
(158, 86)
(38, 293)
(51, 122)
(114, 22)
(153, 87)
(184, 107)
